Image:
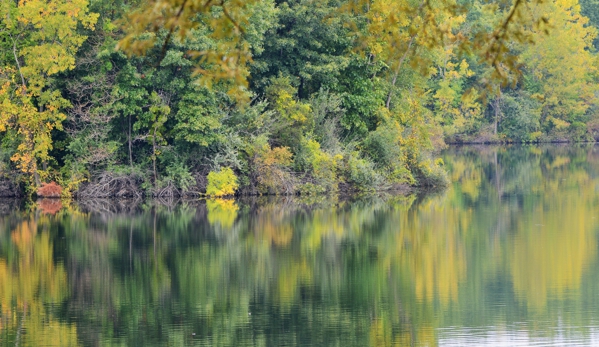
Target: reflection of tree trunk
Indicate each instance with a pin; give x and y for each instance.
(130, 245)
(404, 316)
(497, 179)
(154, 233)
(21, 325)
(500, 221)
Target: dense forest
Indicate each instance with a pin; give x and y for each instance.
(170, 97)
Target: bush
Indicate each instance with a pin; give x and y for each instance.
(272, 170)
(383, 145)
(222, 183)
(49, 190)
(361, 173)
(432, 174)
(310, 189)
(321, 165)
(179, 174)
(579, 132)
(388, 150)
(521, 117)
(327, 111)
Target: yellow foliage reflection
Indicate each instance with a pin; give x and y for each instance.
(28, 284)
(552, 249)
(222, 212)
(433, 249)
(551, 231)
(381, 335)
(290, 278)
(273, 226)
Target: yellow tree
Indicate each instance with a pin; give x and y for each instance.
(456, 108)
(43, 39)
(562, 65)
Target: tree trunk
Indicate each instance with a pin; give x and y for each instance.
(36, 177)
(130, 146)
(497, 107)
(14, 52)
(154, 156)
(403, 57)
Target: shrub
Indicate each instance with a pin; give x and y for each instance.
(383, 145)
(293, 116)
(272, 169)
(49, 190)
(327, 111)
(521, 117)
(222, 183)
(180, 175)
(322, 165)
(579, 132)
(432, 174)
(361, 173)
(310, 189)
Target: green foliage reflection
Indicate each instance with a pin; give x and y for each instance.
(513, 240)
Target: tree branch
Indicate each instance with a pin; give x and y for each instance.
(14, 52)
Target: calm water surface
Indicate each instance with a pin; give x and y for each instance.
(507, 256)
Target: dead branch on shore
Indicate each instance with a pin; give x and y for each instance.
(112, 185)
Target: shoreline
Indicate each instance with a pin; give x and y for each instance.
(399, 189)
(9, 190)
(111, 206)
(498, 142)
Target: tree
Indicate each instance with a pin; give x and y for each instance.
(309, 45)
(153, 121)
(225, 22)
(44, 37)
(562, 68)
(389, 28)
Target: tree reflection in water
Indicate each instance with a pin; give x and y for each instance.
(511, 245)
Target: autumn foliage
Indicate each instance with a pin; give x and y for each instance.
(359, 93)
(49, 190)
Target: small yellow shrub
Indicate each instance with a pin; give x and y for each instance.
(222, 183)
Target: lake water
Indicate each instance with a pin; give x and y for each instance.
(507, 256)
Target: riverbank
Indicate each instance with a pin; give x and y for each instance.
(122, 186)
(485, 137)
(130, 187)
(116, 206)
